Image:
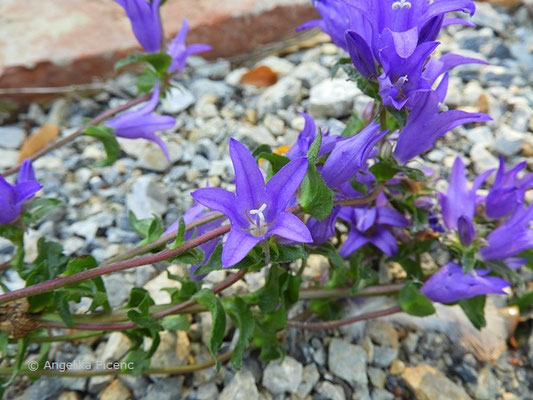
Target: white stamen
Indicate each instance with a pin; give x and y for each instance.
(259, 228)
(443, 107)
(401, 80)
(401, 4)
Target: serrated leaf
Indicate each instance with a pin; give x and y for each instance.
(143, 321)
(384, 171)
(150, 229)
(175, 323)
(180, 235)
(413, 302)
(288, 254)
(218, 328)
(474, 309)
(192, 257)
(61, 300)
(140, 299)
(109, 141)
(242, 317)
(316, 198)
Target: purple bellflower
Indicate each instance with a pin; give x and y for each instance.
(256, 211)
(371, 225)
(425, 124)
(349, 155)
(451, 284)
(142, 123)
(459, 203)
(511, 238)
(13, 197)
(194, 213)
(145, 22)
(321, 231)
(179, 51)
(507, 192)
(306, 138)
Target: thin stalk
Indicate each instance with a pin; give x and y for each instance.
(67, 139)
(111, 268)
(320, 326)
(62, 338)
(176, 370)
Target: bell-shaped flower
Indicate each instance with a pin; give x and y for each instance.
(350, 154)
(512, 237)
(450, 284)
(507, 192)
(196, 212)
(322, 230)
(142, 123)
(145, 22)
(371, 225)
(459, 203)
(306, 138)
(426, 124)
(179, 51)
(257, 210)
(13, 197)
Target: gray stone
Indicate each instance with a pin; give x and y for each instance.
(200, 163)
(487, 387)
(521, 116)
(480, 134)
(492, 75)
(377, 377)
(382, 394)
(146, 198)
(208, 391)
(165, 389)
(487, 16)
(177, 99)
(214, 70)
(255, 135)
(43, 389)
(285, 92)
(241, 387)
(310, 73)
(384, 355)
(382, 333)
(332, 98)
(283, 376)
(347, 361)
(310, 377)
(11, 137)
(329, 391)
(428, 383)
(274, 124)
(202, 87)
(483, 160)
(8, 158)
(281, 66)
(508, 141)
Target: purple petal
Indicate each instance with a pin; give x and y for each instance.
(388, 216)
(223, 201)
(25, 190)
(26, 172)
(289, 226)
(384, 240)
(353, 242)
(361, 54)
(237, 246)
(466, 230)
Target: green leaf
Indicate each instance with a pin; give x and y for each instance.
(61, 300)
(12, 233)
(287, 254)
(175, 323)
(108, 139)
(208, 299)
(38, 209)
(524, 302)
(316, 198)
(22, 346)
(80, 264)
(180, 236)
(384, 171)
(242, 317)
(412, 268)
(261, 149)
(158, 61)
(342, 61)
(142, 320)
(150, 229)
(192, 257)
(276, 161)
(474, 309)
(140, 298)
(399, 115)
(146, 81)
(354, 125)
(413, 302)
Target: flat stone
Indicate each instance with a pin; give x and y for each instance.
(88, 38)
(11, 137)
(310, 377)
(310, 73)
(329, 391)
(241, 387)
(285, 92)
(382, 333)
(281, 66)
(116, 390)
(177, 99)
(430, 384)
(332, 98)
(508, 141)
(283, 376)
(146, 198)
(347, 361)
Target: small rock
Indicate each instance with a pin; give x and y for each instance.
(396, 367)
(177, 99)
(281, 66)
(382, 394)
(310, 73)
(70, 395)
(208, 391)
(241, 387)
(166, 389)
(382, 333)
(329, 391)
(255, 135)
(377, 377)
(8, 158)
(332, 98)
(283, 376)
(274, 124)
(43, 389)
(234, 77)
(285, 92)
(214, 70)
(310, 377)
(202, 87)
(480, 135)
(487, 16)
(487, 387)
(347, 361)
(483, 160)
(146, 198)
(11, 137)
(508, 141)
(492, 75)
(430, 384)
(116, 390)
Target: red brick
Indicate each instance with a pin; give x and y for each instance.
(61, 42)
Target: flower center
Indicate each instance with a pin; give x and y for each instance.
(259, 225)
(399, 5)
